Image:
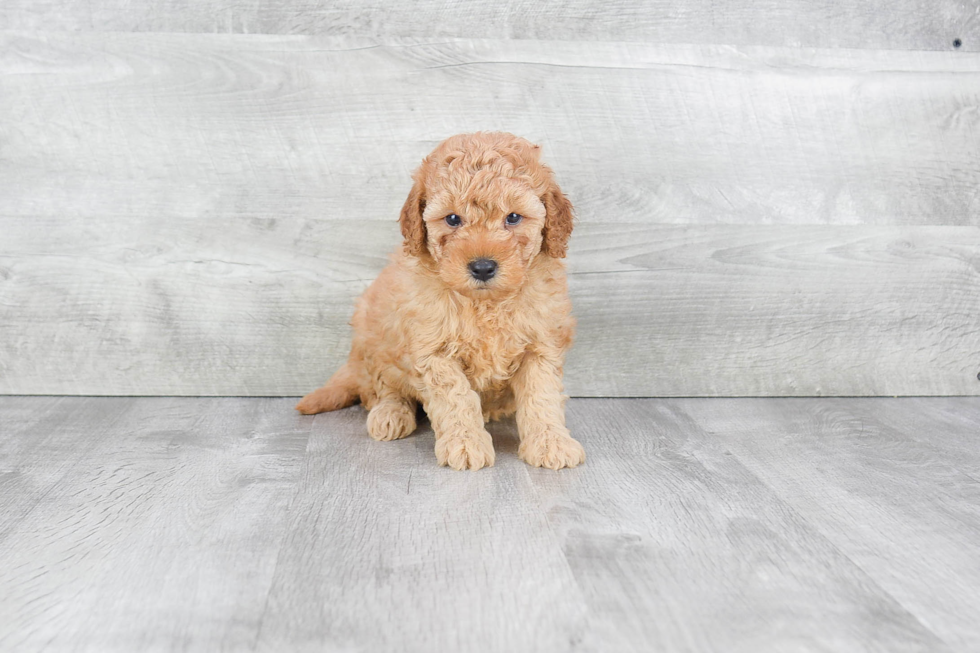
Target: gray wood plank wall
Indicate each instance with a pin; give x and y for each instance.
(189, 213)
(881, 24)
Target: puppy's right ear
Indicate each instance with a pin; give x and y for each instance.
(412, 225)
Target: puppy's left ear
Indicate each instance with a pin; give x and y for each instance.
(557, 222)
(410, 221)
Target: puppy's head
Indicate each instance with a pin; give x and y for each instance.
(483, 206)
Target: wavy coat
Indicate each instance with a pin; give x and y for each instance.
(469, 349)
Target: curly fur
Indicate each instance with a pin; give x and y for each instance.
(470, 351)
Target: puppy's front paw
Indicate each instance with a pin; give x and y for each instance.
(551, 450)
(465, 451)
(390, 420)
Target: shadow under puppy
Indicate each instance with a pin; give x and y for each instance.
(471, 317)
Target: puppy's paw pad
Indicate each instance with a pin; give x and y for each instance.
(390, 421)
(552, 452)
(465, 452)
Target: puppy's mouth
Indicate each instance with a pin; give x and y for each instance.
(478, 288)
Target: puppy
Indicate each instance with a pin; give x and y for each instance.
(471, 317)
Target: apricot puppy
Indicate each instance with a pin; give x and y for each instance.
(471, 317)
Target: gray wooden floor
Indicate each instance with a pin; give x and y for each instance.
(139, 524)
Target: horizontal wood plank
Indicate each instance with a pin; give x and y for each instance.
(897, 506)
(260, 307)
(427, 560)
(762, 525)
(892, 24)
(159, 126)
(681, 526)
(779, 311)
(948, 429)
(135, 517)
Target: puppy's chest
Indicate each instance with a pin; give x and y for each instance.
(490, 356)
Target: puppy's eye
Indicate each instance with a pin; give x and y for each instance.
(514, 218)
(453, 220)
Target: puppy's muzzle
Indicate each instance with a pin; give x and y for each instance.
(483, 269)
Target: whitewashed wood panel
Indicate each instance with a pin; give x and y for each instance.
(949, 430)
(260, 307)
(35, 449)
(427, 559)
(898, 508)
(134, 518)
(188, 214)
(159, 126)
(784, 311)
(893, 24)
(690, 529)
(758, 525)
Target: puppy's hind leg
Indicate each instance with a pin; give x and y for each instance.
(339, 392)
(392, 418)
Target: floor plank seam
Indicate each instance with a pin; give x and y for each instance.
(818, 531)
(47, 491)
(710, 439)
(283, 538)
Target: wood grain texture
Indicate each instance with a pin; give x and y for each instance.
(386, 549)
(690, 530)
(695, 525)
(159, 126)
(194, 214)
(900, 25)
(886, 499)
(143, 524)
(260, 307)
(788, 311)
(36, 452)
(948, 431)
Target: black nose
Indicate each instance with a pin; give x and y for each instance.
(483, 269)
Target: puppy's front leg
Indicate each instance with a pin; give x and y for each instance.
(454, 409)
(545, 441)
